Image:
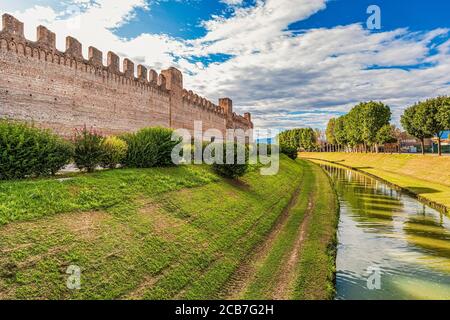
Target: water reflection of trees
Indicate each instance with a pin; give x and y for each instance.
(372, 204)
(427, 231)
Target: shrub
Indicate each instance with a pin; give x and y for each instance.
(88, 149)
(289, 150)
(26, 151)
(150, 147)
(58, 153)
(114, 152)
(235, 169)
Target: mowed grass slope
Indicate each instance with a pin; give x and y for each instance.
(136, 234)
(317, 262)
(427, 176)
(297, 260)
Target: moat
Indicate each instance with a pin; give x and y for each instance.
(390, 246)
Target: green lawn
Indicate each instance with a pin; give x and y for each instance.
(298, 263)
(317, 261)
(144, 234)
(426, 176)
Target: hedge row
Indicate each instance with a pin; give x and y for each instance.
(26, 151)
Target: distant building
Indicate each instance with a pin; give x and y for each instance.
(445, 142)
(410, 144)
(445, 138)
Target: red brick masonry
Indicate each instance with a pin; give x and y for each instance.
(62, 90)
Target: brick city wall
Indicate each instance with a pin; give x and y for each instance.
(62, 90)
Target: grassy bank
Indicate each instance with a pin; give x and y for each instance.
(296, 261)
(317, 261)
(426, 176)
(137, 234)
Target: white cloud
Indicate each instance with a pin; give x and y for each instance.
(285, 79)
(232, 2)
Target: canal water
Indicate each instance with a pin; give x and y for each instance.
(390, 246)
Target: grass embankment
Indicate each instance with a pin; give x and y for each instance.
(153, 233)
(296, 261)
(426, 176)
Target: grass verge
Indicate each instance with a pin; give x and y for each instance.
(317, 263)
(174, 233)
(136, 234)
(297, 261)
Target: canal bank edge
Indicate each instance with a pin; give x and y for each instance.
(433, 204)
(320, 245)
(332, 248)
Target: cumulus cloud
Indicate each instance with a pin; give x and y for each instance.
(232, 2)
(285, 78)
(93, 24)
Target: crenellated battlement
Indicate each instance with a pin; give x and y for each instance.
(12, 26)
(44, 49)
(168, 83)
(200, 102)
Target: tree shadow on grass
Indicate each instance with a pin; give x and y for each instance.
(239, 184)
(421, 190)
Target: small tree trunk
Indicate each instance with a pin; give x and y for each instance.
(422, 142)
(439, 146)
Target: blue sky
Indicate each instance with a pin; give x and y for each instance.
(183, 18)
(416, 15)
(290, 62)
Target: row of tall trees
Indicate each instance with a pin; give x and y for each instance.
(364, 128)
(367, 125)
(428, 119)
(301, 139)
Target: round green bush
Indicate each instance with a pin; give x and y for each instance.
(114, 152)
(26, 151)
(150, 147)
(234, 169)
(88, 149)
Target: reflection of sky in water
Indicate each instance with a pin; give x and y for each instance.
(381, 227)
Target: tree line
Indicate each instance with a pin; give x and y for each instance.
(299, 139)
(428, 119)
(364, 128)
(368, 126)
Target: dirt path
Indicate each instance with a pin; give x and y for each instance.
(247, 270)
(288, 274)
(279, 285)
